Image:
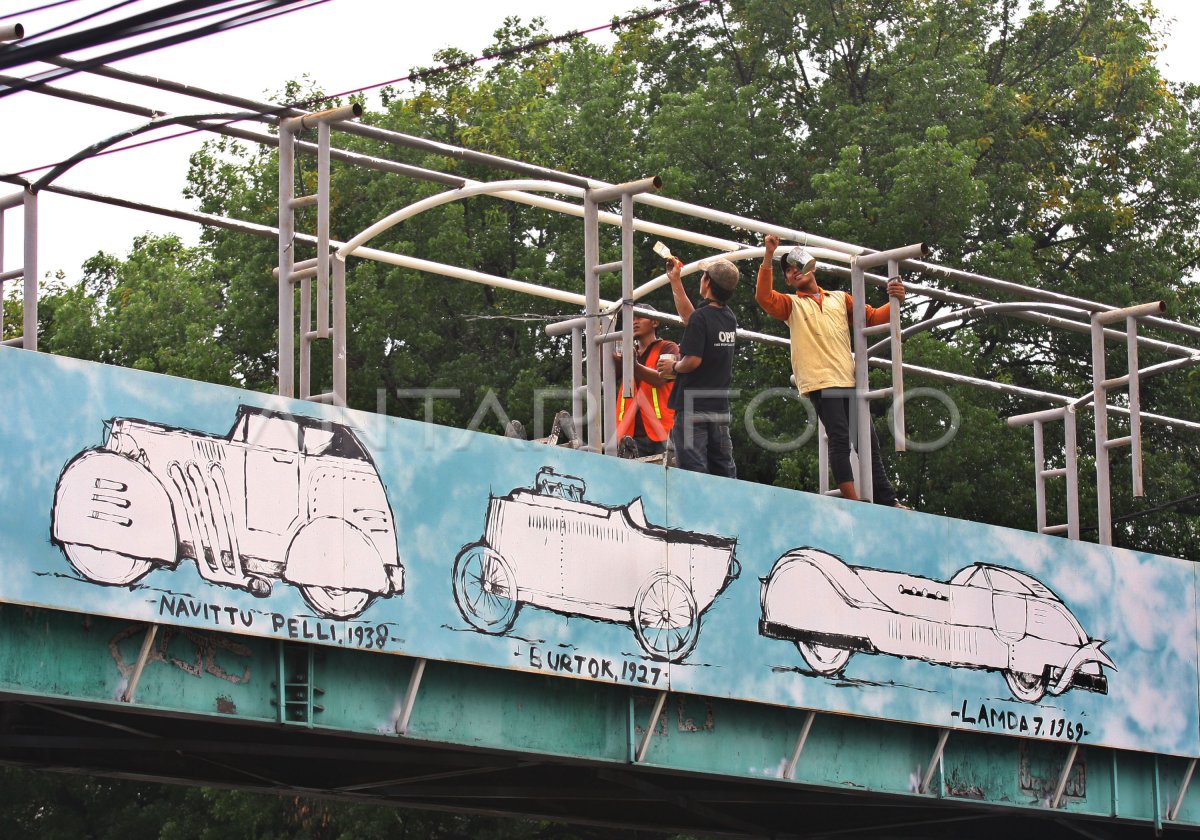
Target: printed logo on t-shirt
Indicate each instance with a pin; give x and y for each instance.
(726, 338)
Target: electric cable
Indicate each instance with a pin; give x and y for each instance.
(1129, 517)
(44, 32)
(414, 76)
(229, 24)
(41, 8)
(175, 14)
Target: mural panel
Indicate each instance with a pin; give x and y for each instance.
(151, 498)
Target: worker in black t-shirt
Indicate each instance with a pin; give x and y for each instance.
(700, 398)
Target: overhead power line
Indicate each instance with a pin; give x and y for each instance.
(41, 8)
(416, 75)
(179, 13)
(98, 13)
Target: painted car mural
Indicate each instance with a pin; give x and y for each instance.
(986, 617)
(280, 497)
(549, 548)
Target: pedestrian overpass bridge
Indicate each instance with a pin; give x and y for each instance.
(277, 593)
(228, 588)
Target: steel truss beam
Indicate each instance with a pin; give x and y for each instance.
(492, 741)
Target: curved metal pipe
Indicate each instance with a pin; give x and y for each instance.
(84, 154)
(486, 188)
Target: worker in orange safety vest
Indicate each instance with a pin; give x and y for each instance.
(645, 418)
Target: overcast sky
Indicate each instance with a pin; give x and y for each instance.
(342, 45)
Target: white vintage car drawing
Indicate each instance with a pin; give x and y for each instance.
(281, 497)
(986, 617)
(549, 548)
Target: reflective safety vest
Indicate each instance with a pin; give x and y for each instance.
(650, 401)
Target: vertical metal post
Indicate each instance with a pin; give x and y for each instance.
(1039, 475)
(1100, 409)
(897, 366)
(601, 375)
(340, 350)
(1, 273)
(306, 336)
(577, 402)
(627, 295)
(323, 199)
(1116, 784)
(861, 430)
(1158, 815)
(591, 293)
(287, 232)
(30, 301)
(1072, 455)
(822, 458)
(608, 384)
(1135, 405)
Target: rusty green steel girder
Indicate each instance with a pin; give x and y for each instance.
(213, 708)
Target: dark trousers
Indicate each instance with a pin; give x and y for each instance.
(834, 411)
(702, 443)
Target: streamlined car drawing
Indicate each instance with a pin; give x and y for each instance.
(280, 497)
(548, 547)
(986, 617)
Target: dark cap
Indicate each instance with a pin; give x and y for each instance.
(721, 273)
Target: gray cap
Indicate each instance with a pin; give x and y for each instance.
(721, 273)
(800, 258)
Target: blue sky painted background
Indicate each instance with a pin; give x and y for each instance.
(439, 481)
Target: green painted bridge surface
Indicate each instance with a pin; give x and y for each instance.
(212, 708)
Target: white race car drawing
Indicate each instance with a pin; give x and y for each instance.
(547, 547)
(280, 497)
(987, 617)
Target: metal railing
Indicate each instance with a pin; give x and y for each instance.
(27, 200)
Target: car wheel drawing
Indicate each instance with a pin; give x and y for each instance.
(105, 566)
(823, 659)
(985, 617)
(666, 620)
(485, 589)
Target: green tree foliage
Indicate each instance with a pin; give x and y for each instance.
(1035, 142)
(56, 806)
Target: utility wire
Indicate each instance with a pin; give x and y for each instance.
(1140, 513)
(416, 75)
(177, 13)
(44, 32)
(41, 8)
(244, 19)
